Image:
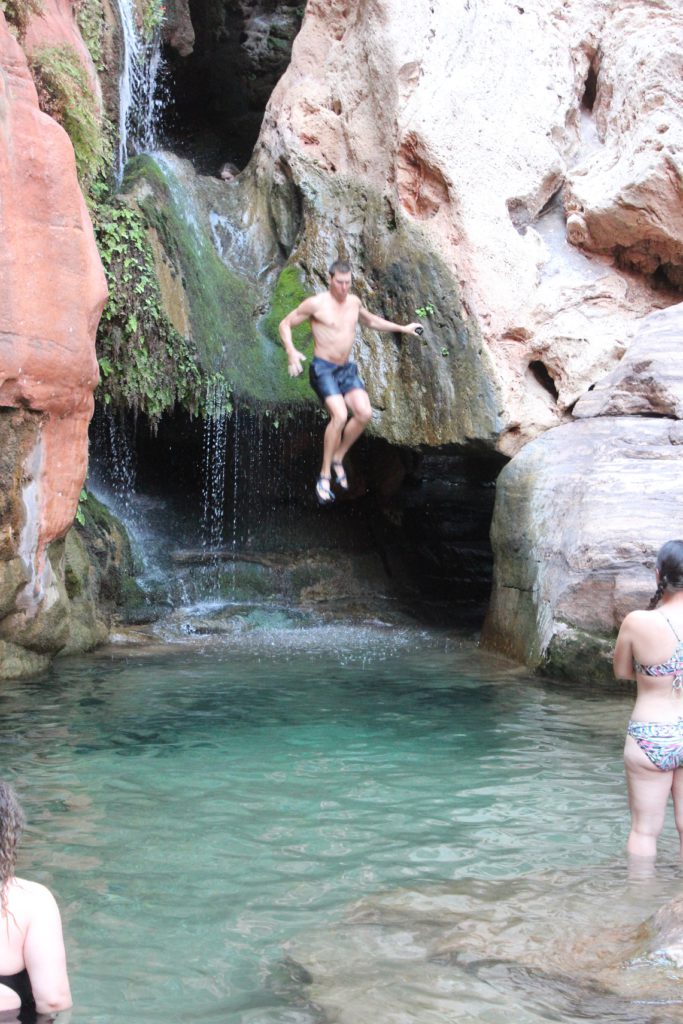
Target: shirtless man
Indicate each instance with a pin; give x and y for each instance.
(333, 316)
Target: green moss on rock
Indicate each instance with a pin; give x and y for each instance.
(145, 363)
(65, 94)
(91, 22)
(223, 307)
(100, 563)
(288, 293)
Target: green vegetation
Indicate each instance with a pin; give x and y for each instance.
(80, 512)
(289, 291)
(145, 363)
(64, 93)
(153, 14)
(222, 307)
(18, 13)
(424, 311)
(90, 18)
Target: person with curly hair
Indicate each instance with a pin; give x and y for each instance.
(649, 649)
(33, 975)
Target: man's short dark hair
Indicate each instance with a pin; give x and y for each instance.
(340, 267)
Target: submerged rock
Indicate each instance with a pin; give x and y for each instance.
(575, 946)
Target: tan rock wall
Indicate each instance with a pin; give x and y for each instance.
(467, 119)
(626, 197)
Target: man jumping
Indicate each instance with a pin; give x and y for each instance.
(334, 316)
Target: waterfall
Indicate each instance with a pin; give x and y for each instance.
(235, 478)
(213, 464)
(138, 103)
(114, 439)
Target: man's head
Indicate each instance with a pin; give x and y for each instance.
(340, 279)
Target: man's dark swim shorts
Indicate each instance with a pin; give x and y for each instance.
(333, 379)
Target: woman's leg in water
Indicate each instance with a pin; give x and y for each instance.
(677, 790)
(648, 794)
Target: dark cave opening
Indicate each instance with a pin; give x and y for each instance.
(216, 95)
(540, 373)
(426, 515)
(590, 89)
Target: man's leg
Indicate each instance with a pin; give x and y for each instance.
(359, 405)
(336, 407)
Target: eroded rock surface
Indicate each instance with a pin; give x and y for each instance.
(435, 132)
(626, 198)
(581, 512)
(649, 379)
(53, 290)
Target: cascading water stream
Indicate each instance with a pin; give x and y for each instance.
(114, 440)
(139, 104)
(213, 465)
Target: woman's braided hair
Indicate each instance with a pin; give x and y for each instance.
(11, 828)
(670, 566)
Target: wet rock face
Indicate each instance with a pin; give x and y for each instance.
(222, 80)
(436, 509)
(581, 512)
(382, 128)
(54, 289)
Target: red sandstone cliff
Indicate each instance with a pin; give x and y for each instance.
(52, 290)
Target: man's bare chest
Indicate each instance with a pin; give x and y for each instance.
(340, 320)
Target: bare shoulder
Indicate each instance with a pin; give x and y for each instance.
(35, 893)
(309, 305)
(640, 622)
(316, 302)
(635, 618)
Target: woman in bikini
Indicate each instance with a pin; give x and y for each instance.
(33, 974)
(650, 650)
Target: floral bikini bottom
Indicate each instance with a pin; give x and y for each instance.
(661, 741)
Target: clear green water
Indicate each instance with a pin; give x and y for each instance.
(205, 816)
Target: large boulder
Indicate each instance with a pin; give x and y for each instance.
(579, 516)
(53, 290)
(581, 512)
(649, 379)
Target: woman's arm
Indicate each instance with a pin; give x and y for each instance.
(622, 661)
(44, 953)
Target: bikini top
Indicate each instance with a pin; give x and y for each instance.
(672, 667)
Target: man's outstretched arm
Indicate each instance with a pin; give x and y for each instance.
(298, 316)
(378, 323)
